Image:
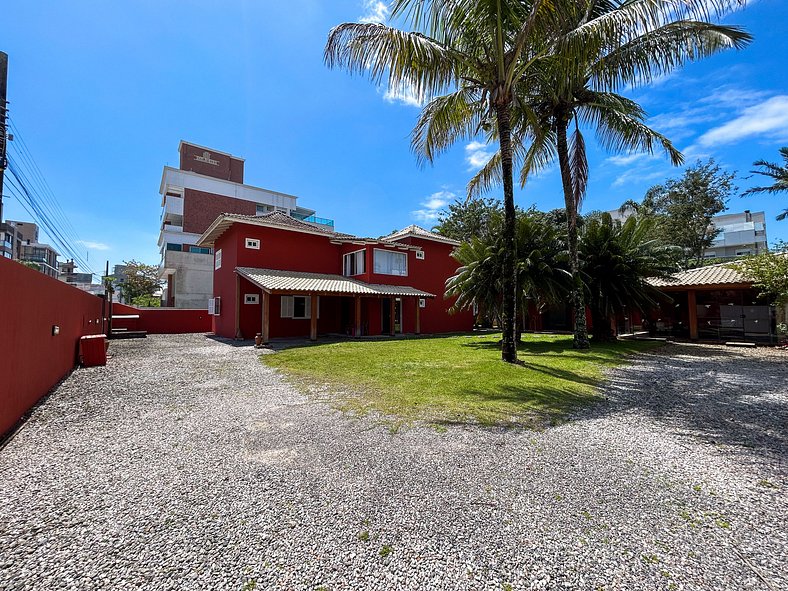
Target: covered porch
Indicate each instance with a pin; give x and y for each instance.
(295, 304)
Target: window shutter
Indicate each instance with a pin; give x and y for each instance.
(286, 307)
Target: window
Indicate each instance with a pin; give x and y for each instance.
(176, 247)
(709, 255)
(743, 252)
(420, 255)
(354, 263)
(251, 298)
(253, 243)
(422, 302)
(388, 262)
(217, 263)
(263, 209)
(297, 307)
(214, 306)
(199, 250)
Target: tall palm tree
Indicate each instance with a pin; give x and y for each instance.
(466, 56)
(615, 261)
(776, 172)
(603, 45)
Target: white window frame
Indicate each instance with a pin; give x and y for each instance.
(287, 307)
(214, 306)
(253, 243)
(217, 260)
(405, 274)
(422, 302)
(420, 255)
(363, 259)
(251, 298)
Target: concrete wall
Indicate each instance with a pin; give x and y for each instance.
(34, 360)
(193, 278)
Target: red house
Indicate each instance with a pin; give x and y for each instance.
(282, 277)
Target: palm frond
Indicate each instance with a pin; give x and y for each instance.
(578, 163)
(444, 120)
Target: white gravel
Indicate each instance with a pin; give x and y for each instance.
(186, 464)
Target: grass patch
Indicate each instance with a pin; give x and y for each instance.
(457, 378)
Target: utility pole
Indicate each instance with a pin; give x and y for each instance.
(3, 128)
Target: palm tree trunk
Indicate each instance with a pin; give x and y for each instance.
(581, 330)
(509, 313)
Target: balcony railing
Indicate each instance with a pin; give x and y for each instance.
(313, 219)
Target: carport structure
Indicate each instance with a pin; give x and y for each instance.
(274, 282)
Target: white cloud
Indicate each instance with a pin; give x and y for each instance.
(627, 159)
(768, 118)
(432, 206)
(374, 12)
(477, 154)
(636, 175)
(405, 94)
(93, 245)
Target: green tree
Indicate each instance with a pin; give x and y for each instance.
(769, 274)
(603, 46)
(147, 301)
(616, 259)
(466, 56)
(684, 208)
(141, 281)
(466, 219)
(774, 171)
(540, 268)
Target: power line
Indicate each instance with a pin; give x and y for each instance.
(35, 176)
(42, 216)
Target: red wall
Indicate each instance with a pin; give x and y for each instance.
(162, 320)
(200, 209)
(296, 251)
(225, 167)
(33, 361)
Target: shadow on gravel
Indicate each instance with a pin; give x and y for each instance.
(713, 395)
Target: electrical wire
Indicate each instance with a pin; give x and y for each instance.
(31, 189)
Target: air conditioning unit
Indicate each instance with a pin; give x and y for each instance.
(214, 306)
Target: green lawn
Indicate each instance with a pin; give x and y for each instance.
(457, 378)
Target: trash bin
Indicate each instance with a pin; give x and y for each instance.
(92, 350)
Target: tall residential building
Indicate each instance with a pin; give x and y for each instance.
(42, 255)
(13, 234)
(741, 233)
(206, 184)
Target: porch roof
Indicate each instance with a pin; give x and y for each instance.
(298, 282)
(703, 277)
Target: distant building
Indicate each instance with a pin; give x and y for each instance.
(42, 255)
(741, 233)
(67, 272)
(13, 234)
(207, 184)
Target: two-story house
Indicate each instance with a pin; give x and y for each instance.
(283, 277)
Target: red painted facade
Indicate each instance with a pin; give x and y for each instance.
(290, 250)
(211, 163)
(34, 360)
(162, 320)
(200, 209)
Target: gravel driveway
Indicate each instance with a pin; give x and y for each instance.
(186, 464)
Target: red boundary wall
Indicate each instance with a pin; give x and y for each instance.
(34, 360)
(161, 320)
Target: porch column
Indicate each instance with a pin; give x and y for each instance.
(238, 335)
(418, 316)
(313, 319)
(391, 317)
(266, 314)
(693, 314)
(357, 328)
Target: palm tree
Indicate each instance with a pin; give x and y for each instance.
(604, 45)
(467, 57)
(616, 259)
(776, 172)
(540, 268)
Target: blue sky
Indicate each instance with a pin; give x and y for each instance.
(102, 92)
